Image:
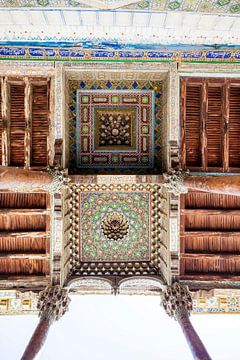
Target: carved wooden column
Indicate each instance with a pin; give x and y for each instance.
(177, 302)
(179, 182)
(21, 180)
(52, 304)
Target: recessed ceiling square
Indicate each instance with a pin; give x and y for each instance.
(114, 229)
(115, 226)
(115, 128)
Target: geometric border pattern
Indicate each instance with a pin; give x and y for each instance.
(24, 53)
(75, 85)
(151, 267)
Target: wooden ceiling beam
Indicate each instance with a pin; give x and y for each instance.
(210, 234)
(28, 256)
(25, 234)
(210, 212)
(26, 278)
(218, 256)
(24, 212)
(210, 276)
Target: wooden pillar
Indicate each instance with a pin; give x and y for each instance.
(177, 302)
(179, 182)
(22, 180)
(52, 304)
(37, 340)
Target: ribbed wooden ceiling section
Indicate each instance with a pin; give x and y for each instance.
(210, 124)
(210, 236)
(24, 236)
(24, 122)
(17, 124)
(40, 124)
(1, 124)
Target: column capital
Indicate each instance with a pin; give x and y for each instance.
(53, 303)
(177, 301)
(174, 181)
(59, 180)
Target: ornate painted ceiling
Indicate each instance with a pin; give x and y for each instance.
(204, 6)
(207, 24)
(116, 229)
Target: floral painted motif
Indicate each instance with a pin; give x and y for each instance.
(95, 207)
(76, 87)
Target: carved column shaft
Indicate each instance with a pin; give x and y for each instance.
(22, 180)
(177, 302)
(195, 343)
(37, 340)
(52, 304)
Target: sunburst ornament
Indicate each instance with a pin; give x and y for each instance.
(115, 226)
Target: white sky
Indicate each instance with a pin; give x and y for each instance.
(101, 327)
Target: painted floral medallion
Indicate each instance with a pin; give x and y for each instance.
(115, 128)
(115, 226)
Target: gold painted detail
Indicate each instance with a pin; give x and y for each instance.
(14, 302)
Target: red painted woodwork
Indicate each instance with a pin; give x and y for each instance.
(24, 122)
(210, 124)
(24, 235)
(210, 236)
(197, 348)
(37, 340)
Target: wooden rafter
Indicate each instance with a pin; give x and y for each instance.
(209, 236)
(24, 236)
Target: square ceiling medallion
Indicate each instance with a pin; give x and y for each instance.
(114, 229)
(115, 226)
(115, 129)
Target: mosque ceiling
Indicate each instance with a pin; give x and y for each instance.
(114, 125)
(116, 229)
(115, 128)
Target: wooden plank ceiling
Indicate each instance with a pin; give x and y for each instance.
(210, 124)
(210, 237)
(24, 236)
(24, 122)
(24, 142)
